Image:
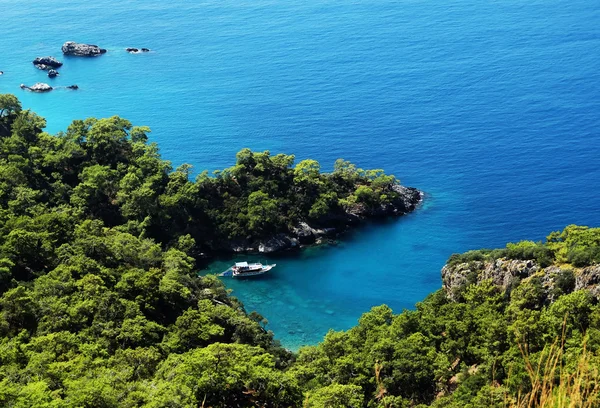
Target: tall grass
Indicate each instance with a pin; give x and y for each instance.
(555, 386)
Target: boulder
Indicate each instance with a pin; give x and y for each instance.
(72, 87)
(304, 233)
(277, 243)
(307, 235)
(52, 73)
(43, 67)
(38, 87)
(133, 50)
(47, 61)
(1, 72)
(82, 50)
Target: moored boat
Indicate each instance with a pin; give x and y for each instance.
(243, 269)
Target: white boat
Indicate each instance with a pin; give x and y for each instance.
(243, 269)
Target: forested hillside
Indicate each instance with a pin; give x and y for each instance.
(100, 305)
(512, 328)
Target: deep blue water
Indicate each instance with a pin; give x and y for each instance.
(490, 107)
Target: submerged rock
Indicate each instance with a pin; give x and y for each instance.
(145, 49)
(47, 62)
(82, 50)
(52, 73)
(72, 87)
(38, 87)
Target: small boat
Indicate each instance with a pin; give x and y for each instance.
(242, 269)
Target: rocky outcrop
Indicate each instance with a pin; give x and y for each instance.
(505, 273)
(329, 226)
(38, 87)
(133, 50)
(306, 235)
(502, 272)
(589, 278)
(82, 50)
(407, 200)
(46, 63)
(52, 73)
(278, 243)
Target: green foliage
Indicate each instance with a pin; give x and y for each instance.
(577, 245)
(100, 305)
(97, 288)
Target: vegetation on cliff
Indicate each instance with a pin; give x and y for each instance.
(576, 245)
(100, 306)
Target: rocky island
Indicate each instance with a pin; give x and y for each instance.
(37, 87)
(82, 50)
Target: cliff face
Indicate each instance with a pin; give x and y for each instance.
(505, 273)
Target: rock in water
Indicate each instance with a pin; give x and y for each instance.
(82, 50)
(72, 87)
(133, 50)
(38, 87)
(47, 62)
(52, 73)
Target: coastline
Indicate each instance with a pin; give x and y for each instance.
(304, 235)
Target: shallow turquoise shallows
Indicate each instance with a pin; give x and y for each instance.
(491, 107)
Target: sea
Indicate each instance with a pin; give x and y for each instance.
(492, 108)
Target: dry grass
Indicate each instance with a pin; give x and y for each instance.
(554, 386)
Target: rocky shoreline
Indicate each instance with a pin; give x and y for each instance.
(330, 227)
(506, 273)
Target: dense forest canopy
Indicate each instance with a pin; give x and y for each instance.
(100, 305)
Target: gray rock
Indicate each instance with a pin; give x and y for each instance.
(277, 243)
(82, 50)
(47, 61)
(589, 278)
(502, 272)
(38, 87)
(52, 73)
(407, 200)
(133, 50)
(304, 233)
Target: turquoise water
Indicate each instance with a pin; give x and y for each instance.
(490, 107)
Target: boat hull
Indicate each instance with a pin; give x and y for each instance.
(261, 271)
